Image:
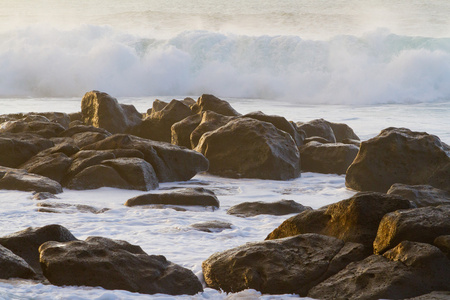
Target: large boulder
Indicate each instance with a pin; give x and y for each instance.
(114, 264)
(290, 265)
(181, 131)
(327, 158)
(20, 180)
(98, 176)
(317, 127)
(53, 166)
(421, 195)
(210, 121)
(249, 148)
(353, 220)
(13, 266)
(279, 208)
(441, 178)
(410, 269)
(419, 225)
(342, 132)
(170, 162)
(17, 148)
(186, 196)
(158, 125)
(26, 243)
(45, 128)
(212, 103)
(102, 110)
(397, 155)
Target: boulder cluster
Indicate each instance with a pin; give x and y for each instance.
(390, 240)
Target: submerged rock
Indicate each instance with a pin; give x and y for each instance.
(212, 226)
(279, 208)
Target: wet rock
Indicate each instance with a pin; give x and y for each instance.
(86, 138)
(210, 121)
(52, 207)
(212, 103)
(410, 269)
(327, 158)
(53, 166)
(45, 129)
(13, 266)
(418, 225)
(397, 155)
(352, 220)
(437, 295)
(441, 178)
(26, 243)
(20, 180)
(342, 132)
(85, 159)
(114, 264)
(43, 196)
(75, 129)
(290, 265)
(421, 195)
(279, 208)
(98, 176)
(181, 131)
(248, 148)
(211, 226)
(318, 127)
(443, 243)
(187, 196)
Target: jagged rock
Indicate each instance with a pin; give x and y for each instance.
(114, 264)
(212, 103)
(418, 225)
(397, 155)
(102, 110)
(53, 166)
(18, 179)
(181, 131)
(410, 269)
(290, 265)
(342, 132)
(248, 148)
(353, 220)
(279, 208)
(327, 158)
(13, 266)
(26, 243)
(212, 226)
(17, 148)
(170, 162)
(210, 121)
(52, 207)
(318, 127)
(421, 195)
(158, 125)
(187, 196)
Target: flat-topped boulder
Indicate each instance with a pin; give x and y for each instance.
(421, 195)
(287, 266)
(114, 265)
(249, 148)
(398, 155)
(279, 208)
(21, 180)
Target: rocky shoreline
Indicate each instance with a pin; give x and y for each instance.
(399, 224)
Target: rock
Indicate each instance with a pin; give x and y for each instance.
(212, 226)
(186, 196)
(64, 147)
(157, 106)
(114, 264)
(279, 122)
(98, 176)
(352, 220)
(102, 110)
(285, 266)
(437, 295)
(20, 180)
(181, 131)
(443, 243)
(421, 195)
(15, 149)
(61, 118)
(327, 158)
(410, 269)
(45, 129)
(418, 225)
(248, 148)
(52, 207)
(83, 129)
(53, 166)
(318, 127)
(279, 208)
(212, 103)
(158, 125)
(13, 266)
(397, 155)
(441, 178)
(86, 138)
(352, 142)
(43, 196)
(317, 139)
(342, 132)
(134, 118)
(210, 121)
(26, 243)
(170, 162)
(85, 159)
(76, 117)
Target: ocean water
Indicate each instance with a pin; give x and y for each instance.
(371, 64)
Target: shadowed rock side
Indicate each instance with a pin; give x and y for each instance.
(353, 220)
(114, 264)
(419, 225)
(398, 155)
(290, 265)
(13, 266)
(421, 195)
(319, 128)
(210, 121)
(187, 196)
(279, 208)
(181, 131)
(410, 269)
(248, 148)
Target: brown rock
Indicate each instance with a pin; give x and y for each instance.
(181, 131)
(342, 132)
(210, 121)
(212, 103)
(15, 149)
(45, 129)
(212, 226)
(279, 208)
(421, 195)
(20, 180)
(13, 266)
(98, 176)
(318, 127)
(52, 207)
(443, 243)
(53, 166)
